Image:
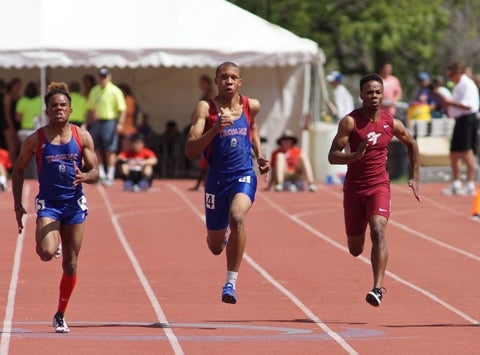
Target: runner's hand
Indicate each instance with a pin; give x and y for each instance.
(413, 184)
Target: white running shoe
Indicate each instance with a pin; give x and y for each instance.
(107, 182)
(293, 188)
(453, 191)
(59, 323)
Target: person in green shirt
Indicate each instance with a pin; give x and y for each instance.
(29, 108)
(106, 117)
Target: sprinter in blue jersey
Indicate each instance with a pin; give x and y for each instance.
(65, 159)
(225, 130)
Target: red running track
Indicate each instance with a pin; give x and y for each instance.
(147, 283)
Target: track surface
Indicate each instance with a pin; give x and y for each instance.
(147, 283)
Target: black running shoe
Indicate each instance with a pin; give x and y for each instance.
(374, 297)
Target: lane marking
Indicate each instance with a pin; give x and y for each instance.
(422, 235)
(12, 290)
(435, 203)
(172, 339)
(367, 261)
(277, 285)
(262, 333)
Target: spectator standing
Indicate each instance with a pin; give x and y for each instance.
(424, 93)
(29, 108)
(170, 148)
(392, 89)
(463, 106)
(88, 82)
(439, 91)
(130, 125)
(290, 164)
(106, 117)
(10, 99)
(342, 99)
(208, 92)
(205, 84)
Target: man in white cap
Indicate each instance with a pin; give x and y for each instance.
(342, 99)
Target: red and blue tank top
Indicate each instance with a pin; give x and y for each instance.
(56, 166)
(229, 152)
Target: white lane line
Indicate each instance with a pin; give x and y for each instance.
(435, 203)
(435, 241)
(141, 276)
(276, 284)
(424, 236)
(367, 261)
(12, 290)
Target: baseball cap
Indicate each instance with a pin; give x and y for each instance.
(334, 76)
(103, 72)
(423, 76)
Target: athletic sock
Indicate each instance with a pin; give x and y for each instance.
(232, 277)
(101, 171)
(111, 173)
(67, 284)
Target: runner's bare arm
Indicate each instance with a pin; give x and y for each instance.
(409, 142)
(337, 155)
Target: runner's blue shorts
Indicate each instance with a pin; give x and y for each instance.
(219, 194)
(71, 211)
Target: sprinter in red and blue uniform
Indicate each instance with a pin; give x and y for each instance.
(225, 130)
(65, 157)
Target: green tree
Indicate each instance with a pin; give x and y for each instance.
(358, 36)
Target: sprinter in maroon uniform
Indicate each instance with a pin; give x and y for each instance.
(367, 131)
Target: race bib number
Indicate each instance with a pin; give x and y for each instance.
(82, 203)
(244, 179)
(210, 201)
(39, 204)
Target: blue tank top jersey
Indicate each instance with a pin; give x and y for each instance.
(55, 166)
(229, 153)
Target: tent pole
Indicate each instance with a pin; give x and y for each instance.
(43, 88)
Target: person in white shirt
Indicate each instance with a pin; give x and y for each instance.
(463, 106)
(342, 99)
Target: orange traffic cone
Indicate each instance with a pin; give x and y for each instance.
(476, 206)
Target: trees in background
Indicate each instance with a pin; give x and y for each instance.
(358, 36)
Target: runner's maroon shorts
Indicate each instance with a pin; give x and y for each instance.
(360, 205)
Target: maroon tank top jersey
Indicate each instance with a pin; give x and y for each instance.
(371, 169)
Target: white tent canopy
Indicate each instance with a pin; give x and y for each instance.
(159, 48)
